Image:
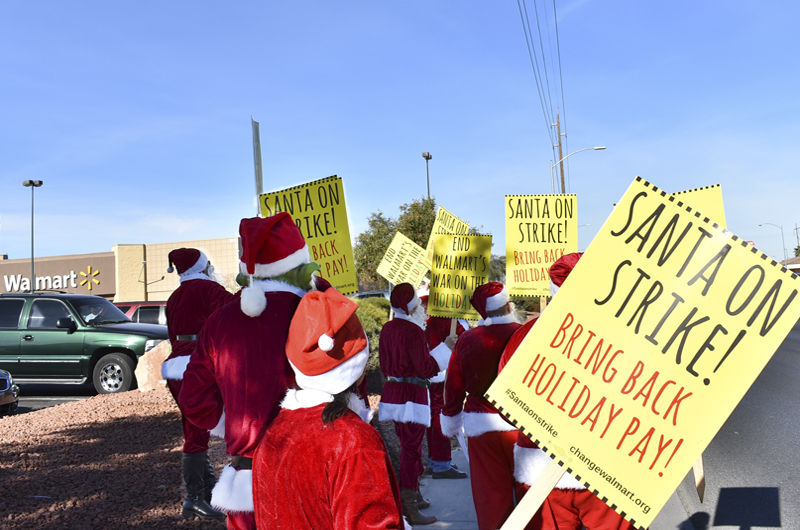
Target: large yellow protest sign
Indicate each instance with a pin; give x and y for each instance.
(645, 351)
(404, 261)
(539, 230)
(445, 223)
(707, 200)
(460, 265)
(318, 209)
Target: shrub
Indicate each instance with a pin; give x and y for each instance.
(373, 314)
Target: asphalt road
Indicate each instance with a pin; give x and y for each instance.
(752, 464)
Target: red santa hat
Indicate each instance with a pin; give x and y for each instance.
(489, 297)
(187, 261)
(271, 246)
(327, 347)
(561, 269)
(404, 298)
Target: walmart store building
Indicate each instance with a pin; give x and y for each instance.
(129, 273)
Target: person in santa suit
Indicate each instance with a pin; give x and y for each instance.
(321, 465)
(408, 365)
(188, 308)
(472, 369)
(570, 506)
(239, 365)
(437, 329)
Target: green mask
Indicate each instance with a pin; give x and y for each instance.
(300, 276)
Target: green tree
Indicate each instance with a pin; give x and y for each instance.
(370, 247)
(416, 220)
(797, 251)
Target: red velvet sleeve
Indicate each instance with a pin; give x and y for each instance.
(424, 364)
(200, 398)
(455, 388)
(514, 342)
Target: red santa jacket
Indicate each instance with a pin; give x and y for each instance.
(472, 370)
(188, 308)
(529, 460)
(310, 475)
(436, 330)
(404, 353)
(240, 363)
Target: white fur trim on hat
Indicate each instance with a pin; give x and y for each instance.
(337, 380)
(234, 490)
(441, 354)
(502, 319)
(477, 423)
(452, 425)
(253, 301)
(493, 303)
(199, 266)
(219, 430)
(408, 412)
(174, 368)
(411, 306)
(529, 462)
(553, 288)
(282, 266)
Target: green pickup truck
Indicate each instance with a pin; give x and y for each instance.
(71, 338)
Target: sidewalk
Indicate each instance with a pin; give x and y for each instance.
(451, 503)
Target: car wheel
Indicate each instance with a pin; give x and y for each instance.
(113, 373)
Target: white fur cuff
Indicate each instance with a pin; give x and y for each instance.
(529, 464)
(442, 355)
(174, 368)
(477, 423)
(408, 412)
(234, 490)
(452, 424)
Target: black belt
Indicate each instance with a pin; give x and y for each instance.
(242, 462)
(419, 381)
(186, 338)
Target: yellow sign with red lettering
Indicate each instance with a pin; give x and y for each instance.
(319, 211)
(404, 261)
(460, 265)
(539, 230)
(645, 351)
(445, 223)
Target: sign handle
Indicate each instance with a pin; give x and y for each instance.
(453, 324)
(699, 477)
(535, 497)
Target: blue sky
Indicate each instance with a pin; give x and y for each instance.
(136, 115)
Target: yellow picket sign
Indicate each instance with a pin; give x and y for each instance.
(707, 200)
(539, 230)
(445, 223)
(404, 261)
(460, 265)
(319, 211)
(650, 344)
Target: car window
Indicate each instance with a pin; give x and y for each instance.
(124, 308)
(147, 314)
(10, 311)
(45, 314)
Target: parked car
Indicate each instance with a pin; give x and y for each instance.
(71, 338)
(369, 294)
(9, 394)
(145, 312)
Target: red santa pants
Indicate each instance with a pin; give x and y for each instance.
(195, 439)
(242, 521)
(411, 468)
(438, 443)
(491, 466)
(574, 509)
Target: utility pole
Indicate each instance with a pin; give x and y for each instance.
(560, 154)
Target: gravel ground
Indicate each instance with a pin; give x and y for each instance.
(110, 461)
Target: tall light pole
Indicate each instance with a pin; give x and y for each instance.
(552, 183)
(427, 156)
(32, 184)
(783, 241)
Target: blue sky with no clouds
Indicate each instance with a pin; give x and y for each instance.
(136, 115)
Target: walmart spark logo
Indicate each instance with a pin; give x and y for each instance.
(89, 277)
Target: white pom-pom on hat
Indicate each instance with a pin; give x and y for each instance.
(170, 270)
(325, 342)
(253, 301)
(487, 321)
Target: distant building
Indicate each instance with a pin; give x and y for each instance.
(126, 274)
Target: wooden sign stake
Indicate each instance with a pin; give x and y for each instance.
(699, 477)
(535, 497)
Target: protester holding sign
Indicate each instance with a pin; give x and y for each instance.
(570, 506)
(321, 465)
(437, 329)
(408, 366)
(239, 362)
(472, 369)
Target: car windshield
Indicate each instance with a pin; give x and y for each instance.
(98, 311)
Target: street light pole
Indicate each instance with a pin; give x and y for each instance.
(427, 156)
(783, 241)
(552, 183)
(32, 184)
